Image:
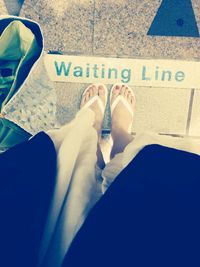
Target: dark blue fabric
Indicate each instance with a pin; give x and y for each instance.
(27, 177)
(175, 18)
(150, 215)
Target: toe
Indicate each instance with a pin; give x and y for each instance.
(91, 91)
(116, 89)
(101, 93)
(129, 96)
(115, 92)
(89, 87)
(87, 96)
(122, 91)
(126, 92)
(133, 101)
(94, 90)
(101, 88)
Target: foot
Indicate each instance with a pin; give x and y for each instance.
(92, 91)
(121, 119)
(121, 116)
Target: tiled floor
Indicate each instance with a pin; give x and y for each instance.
(119, 28)
(162, 110)
(67, 26)
(130, 22)
(13, 7)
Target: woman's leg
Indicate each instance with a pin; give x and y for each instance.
(121, 120)
(27, 177)
(149, 216)
(92, 91)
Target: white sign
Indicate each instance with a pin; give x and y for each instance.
(137, 72)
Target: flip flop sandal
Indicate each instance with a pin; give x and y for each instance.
(120, 98)
(96, 98)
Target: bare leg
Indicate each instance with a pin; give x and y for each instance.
(121, 120)
(92, 91)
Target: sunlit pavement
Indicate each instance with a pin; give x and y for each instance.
(121, 28)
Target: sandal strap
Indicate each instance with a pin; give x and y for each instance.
(97, 98)
(118, 99)
(92, 100)
(124, 101)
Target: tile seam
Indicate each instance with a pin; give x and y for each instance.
(190, 111)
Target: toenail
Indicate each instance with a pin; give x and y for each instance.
(100, 92)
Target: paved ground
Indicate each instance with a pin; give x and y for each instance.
(118, 28)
